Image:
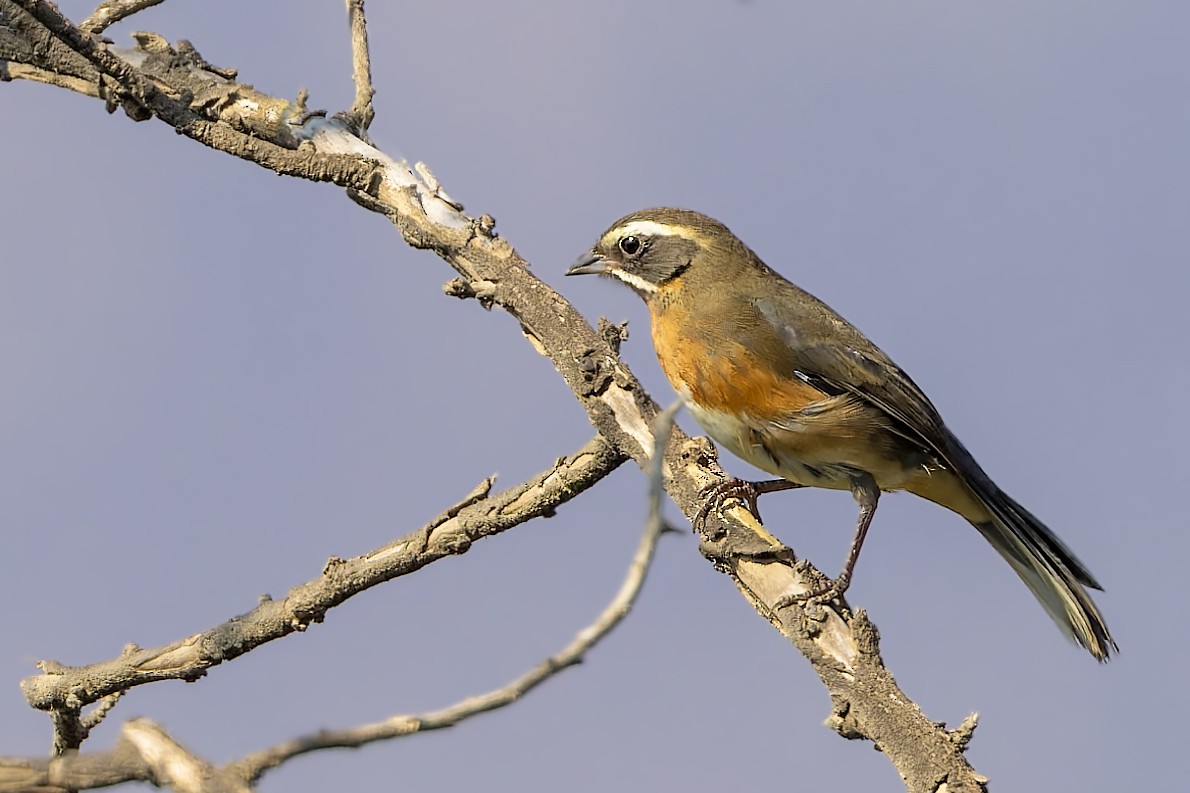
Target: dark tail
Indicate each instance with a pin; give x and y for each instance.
(1051, 571)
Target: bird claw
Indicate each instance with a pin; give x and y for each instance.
(815, 597)
(716, 495)
(828, 590)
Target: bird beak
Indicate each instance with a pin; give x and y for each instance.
(590, 263)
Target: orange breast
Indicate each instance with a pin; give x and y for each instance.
(706, 360)
(747, 397)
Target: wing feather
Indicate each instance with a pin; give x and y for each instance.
(829, 353)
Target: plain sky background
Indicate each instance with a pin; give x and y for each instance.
(214, 378)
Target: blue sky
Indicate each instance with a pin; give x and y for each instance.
(216, 378)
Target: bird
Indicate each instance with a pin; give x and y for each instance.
(783, 382)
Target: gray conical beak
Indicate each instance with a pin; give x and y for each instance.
(590, 263)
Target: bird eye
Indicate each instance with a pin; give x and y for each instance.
(630, 245)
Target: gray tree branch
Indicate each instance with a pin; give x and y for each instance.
(841, 646)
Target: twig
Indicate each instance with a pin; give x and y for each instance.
(112, 11)
(252, 767)
(97, 714)
(663, 427)
(64, 690)
(361, 112)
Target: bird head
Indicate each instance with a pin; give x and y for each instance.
(649, 249)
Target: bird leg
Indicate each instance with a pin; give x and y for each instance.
(867, 494)
(716, 495)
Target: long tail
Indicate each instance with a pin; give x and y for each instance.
(1051, 570)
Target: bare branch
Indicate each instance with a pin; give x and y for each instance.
(25, 40)
(112, 11)
(74, 770)
(143, 752)
(172, 765)
(253, 766)
(11, 70)
(138, 95)
(842, 647)
(65, 689)
(361, 112)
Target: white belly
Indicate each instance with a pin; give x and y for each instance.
(746, 442)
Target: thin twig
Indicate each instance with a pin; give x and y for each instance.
(96, 715)
(112, 11)
(663, 427)
(361, 112)
(252, 767)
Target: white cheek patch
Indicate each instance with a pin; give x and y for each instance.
(633, 280)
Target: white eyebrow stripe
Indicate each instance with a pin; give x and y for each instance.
(647, 228)
(633, 280)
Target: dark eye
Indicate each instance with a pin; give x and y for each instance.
(630, 245)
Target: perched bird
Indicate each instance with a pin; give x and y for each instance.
(781, 380)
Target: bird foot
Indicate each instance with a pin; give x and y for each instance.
(717, 495)
(824, 593)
